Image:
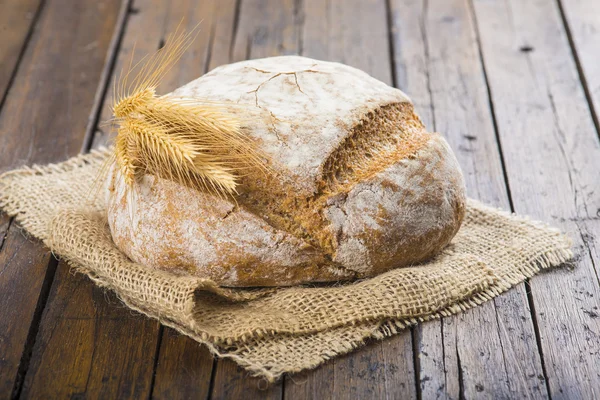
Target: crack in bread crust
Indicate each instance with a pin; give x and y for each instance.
(383, 137)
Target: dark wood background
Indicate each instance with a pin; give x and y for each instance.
(514, 85)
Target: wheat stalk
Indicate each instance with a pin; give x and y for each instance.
(190, 141)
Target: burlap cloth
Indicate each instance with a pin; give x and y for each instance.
(276, 331)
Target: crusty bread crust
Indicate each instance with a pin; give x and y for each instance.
(402, 215)
(381, 138)
(351, 193)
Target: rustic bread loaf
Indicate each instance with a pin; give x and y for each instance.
(357, 185)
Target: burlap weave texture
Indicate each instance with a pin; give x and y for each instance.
(286, 330)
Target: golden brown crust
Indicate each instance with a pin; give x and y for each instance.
(352, 194)
(189, 232)
(423, 188)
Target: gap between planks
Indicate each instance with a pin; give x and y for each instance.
(53, 262)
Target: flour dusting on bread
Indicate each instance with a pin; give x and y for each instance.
(358, 186)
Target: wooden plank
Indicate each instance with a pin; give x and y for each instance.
(582, 18)
(4, 224)
(46, 112)
(266, 28)
(232, 382)
(69, 44)
(21, 297)
(16, 20)
(314, 384)
(475, 353)
(78, 334)
(355, 33)
(184, 368)
(89, 344)
(552, 156)
(352, 32)
(376, 371)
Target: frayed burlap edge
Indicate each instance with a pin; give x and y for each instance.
(373, 331)
(242, 353)
(18, 207)
(376, 331)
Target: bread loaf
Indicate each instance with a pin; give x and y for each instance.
(356, 187)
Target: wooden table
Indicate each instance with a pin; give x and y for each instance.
(513, 85)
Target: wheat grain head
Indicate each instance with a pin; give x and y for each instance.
(193, 142)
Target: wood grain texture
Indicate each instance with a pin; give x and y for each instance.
(23, 271)
(552, 156)
(230, 381)
(79, 333)
(439, 65)
(376, 371)
(266, 28)
(16, 20)
(184, 368)
(582, 18)
(75, 349)
(89, 344)
(355, 33)
(47, 109)
(64, 60)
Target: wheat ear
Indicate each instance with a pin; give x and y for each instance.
(176, 157)
(193, 142)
